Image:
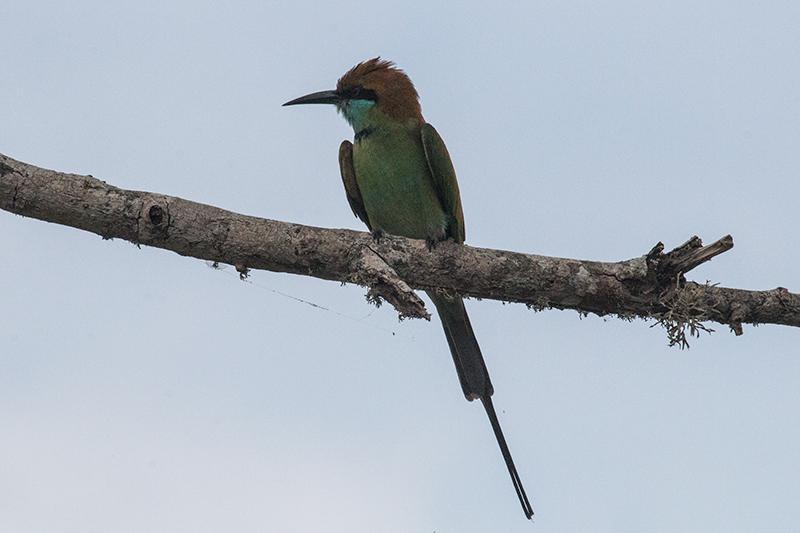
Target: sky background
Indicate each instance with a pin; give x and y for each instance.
(144, 391)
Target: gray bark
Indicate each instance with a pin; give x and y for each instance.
(650, 286)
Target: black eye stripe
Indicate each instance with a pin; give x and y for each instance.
(360, 93)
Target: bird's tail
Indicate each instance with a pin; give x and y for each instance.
(512, 470)
(467, 355)
(473, 375)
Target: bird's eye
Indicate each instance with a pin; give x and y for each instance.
(360, 93)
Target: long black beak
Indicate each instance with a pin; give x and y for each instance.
(322, 97)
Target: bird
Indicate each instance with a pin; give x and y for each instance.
(399, 180)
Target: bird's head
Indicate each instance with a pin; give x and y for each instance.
(374, 86)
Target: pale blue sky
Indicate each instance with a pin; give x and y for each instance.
(143, 391)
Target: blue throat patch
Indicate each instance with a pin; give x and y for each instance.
(354, 112)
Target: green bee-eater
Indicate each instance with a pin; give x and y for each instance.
(399, 179)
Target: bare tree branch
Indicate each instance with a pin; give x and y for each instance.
(651, 286)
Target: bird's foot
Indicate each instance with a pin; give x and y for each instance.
(377, 234)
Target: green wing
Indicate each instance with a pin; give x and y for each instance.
(350, 185)
(444, 181)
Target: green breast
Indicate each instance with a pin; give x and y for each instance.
(395, 183)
